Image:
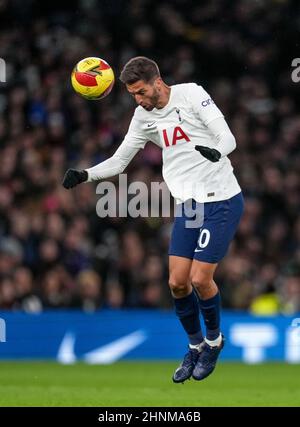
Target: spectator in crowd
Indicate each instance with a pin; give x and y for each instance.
(89, 291)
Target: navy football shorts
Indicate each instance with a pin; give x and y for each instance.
(203, 231)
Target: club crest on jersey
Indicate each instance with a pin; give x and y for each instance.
(172, 135)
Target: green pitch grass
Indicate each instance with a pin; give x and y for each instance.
(146, 384)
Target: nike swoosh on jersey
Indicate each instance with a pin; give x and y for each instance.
(199, 250)
(150, 124)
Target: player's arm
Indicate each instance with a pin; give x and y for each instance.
(213, 119)
(115, 165)
(225, 141)
(110, 167)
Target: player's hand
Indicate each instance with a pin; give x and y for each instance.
(209, 153)
(74, 177)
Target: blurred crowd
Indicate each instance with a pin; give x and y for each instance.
(55, 252)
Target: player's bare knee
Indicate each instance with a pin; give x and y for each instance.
(205, 287)
(179, 289)
(202, 283)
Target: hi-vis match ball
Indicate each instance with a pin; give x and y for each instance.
(92, 78)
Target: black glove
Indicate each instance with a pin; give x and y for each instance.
(74, 177)
(209, 153)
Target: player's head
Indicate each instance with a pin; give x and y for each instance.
(142, 79)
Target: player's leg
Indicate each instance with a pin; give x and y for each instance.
(185, 298)
(202, 274)
(181, 252)
(209, 300)
(187, 311)
(220, 223)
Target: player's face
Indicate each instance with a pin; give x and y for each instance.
(145, 94)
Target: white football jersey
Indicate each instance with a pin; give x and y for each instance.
(176, 129)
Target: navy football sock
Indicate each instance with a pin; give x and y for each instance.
(210, 310)
(187, 310)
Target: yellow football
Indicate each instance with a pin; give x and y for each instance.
(92, 78)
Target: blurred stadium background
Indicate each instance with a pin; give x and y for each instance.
(64, 272)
